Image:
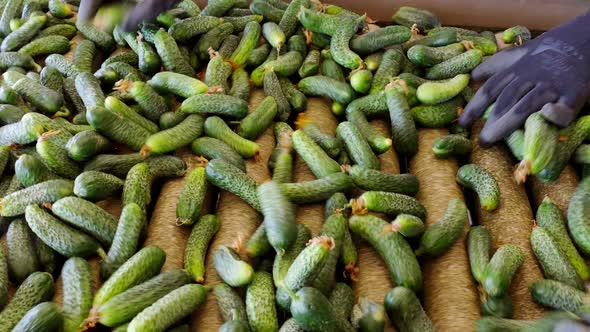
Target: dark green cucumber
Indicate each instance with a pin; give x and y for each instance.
(368, 315)
(30, 170)
(21, 36)
(115, 105)
(501, 269)
(296, 98)
(283, 262)
(62, 238)
(166, 166)
(258, 55)
(451, 145)
(314, 312)
(289, 22)
(557, 295)
(46, 45)
(228, 46)
(314, 156)
(438, 238)
(272, 87)
(117, 127)
(516, 34)
(171, 119)
(334, 227)
(260, 304)
(259, 120)
(285, 65)
(279, 216)
(576, 216)
(4, 283)
(230, 268)
(240, 22)
(186, 29)
(217, 128)
(356, 146)
(422, 18)
(127, 56)
(390, 67)
(378, 142)
(379, 39)
(22, 258)
(174, 138)
(333, 70)
(88, 87)
(230, 304)
(316, 190)
(87, 144)
(217, 104)
(389, 203)
(45, 316)
(76, 277)
(213, 148)
(342, 300)
(84, 55)
(483, 183)
(369, 179)
(227, 176)
(218, 72)
(38, 95)
(197, 244)
(330, 144)
(45, 192)
(137, 187)
(319, 22)
(65, 30)
(88, 217)
(427, 56)
(212, 39)
(438, 116)
(405, 310)
(191, 197)
(61, 63)
(267, 10)
(14, 59)
(102, 39)
(405, 135)
(37, 288)
(460, 64)
(55, 156)
(252, 32)
(479, 245)
(115, 164)
(327, 87)
(170, 54)
(240, 84)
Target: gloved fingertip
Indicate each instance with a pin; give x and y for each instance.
(490, 135)
(559, 114)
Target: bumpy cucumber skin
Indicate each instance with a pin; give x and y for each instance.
(30, 171)
(213, 39)
(289, 20)
(230, 268)
(318, 161)
(102, 39)
(327, 87)
(272, 87)
(500, 270)
(291, 325)
(145, 264)
(88, 217)
(427, 56)
(117, 128)
(553, 260)
(85, 145)
(339, 45)
(333, 70)
(46, 45)
(451, 145)
(432, 93)
(405, 310)
(502, 324)
(84, 55)
(234, 326)
(186, 29)
(461, 64)
(550, 217)
(45, 316)
(408, 225)
(311, 64)
(391, 203)
(176, 137)
(37, 288)
(125, 242)
(557, 295)
(22, 258)
(334, 227)
(137, 187)
(361, 80)
(115, 105)
(329, 143)
(166, 166)
(77, 299)
(378, 142)
(191, 197)
(217, 128)
(55, 156)
(152, 105)
(316, 190)
(3, 278)
(45, 192)
(314, 312)
(124, 306)
(62, 238)
(23, 34)
(285, 65)
(342, 300)
(169, 309)
(405, 135)
(256, 122)
(578, 210)
(213, 148)
(376, 40)
(171, 119)
(197, 244)
(252, 32)
(392, 247)
(279, 216)
(408, 16)
(516, 34)
(170, 54)
(240, 87)
(222, 105)
(479, 245)
(115, 164)
(483, 183)
(260, 304)
(283, 262)
(540, 144)
(38, 95)
(226, 176)
(390, 66)
(369, 179)
(230, 303)
(500, 307)
(258, 245)
(217, 73)
(437, 116)
(438, 238)
(267, 10)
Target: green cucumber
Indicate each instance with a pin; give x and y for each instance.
(438, 238)
(483, 183)
(438, 116)
(230, 304)
(252, 32)
(369, 179)
(65, 30)
(491, 324)
(259, 120)
(557, 295)
(479, 245)
(217, 104)
(283, 262)
(267, 10)
(29, 170)
(500, 307)
(115, 105)
(174, 138)
(186, 29)
(4, 283)
(501, 269)
(21, 133)
(314, 156)
(37, 288)
(117, 128)
(88, 217)
(422, 18)
(217, 128)
(279, 216)
(273, 34)
(115, 164)
(516, 34)
(4, 157)
(87, 144)
(234, 326)
(169, 52)
(260, 304)
(171, 119)
(285, 65)
(361, 80)
(55, 156)
(152, 105)
(137, 186)
(327, 87)
(368, 315)
(390, 67)
(21, 36)
(316, 190)
(272, 88)
(289, 21)
(14, 59)
(240, 22)
(382, 38)
(191, 197)
(227, 176)
(356, 146)
(577, 216)
(329, 143)
(178, 84)
(197, 244)
(62, 64)
(212, 39)
(76, 277)
(258, 245)
(22, 258)
(127, 56)
(102, 39)
(38, 95)
(62, 238)
(228, 46)
(460, 64)
(334, 227)
(405, 135)
(230, 268)
(240, 87)
(319, 22)
(487, 46)
(213, 148)
(145, 264)
(314, 312)
(166, 166)
(372, 61)
(258, 55)
(46, 45)
(553, 260)
(540, 146)
(217, 73)
(378, 142)
(432, 93)
(582, 154)
(405, 310)
(342, 300)
(333, 70)
(427, 56)
(407, 225)
(45, 192)
(84, 55)
(311, 64)
(392, 247)
(451, 145)
(53, 79)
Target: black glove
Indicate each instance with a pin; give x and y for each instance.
(550, 73)
(144, 11)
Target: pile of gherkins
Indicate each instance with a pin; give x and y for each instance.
(101, 117)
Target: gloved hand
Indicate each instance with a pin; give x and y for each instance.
(144, 11)
(550, 73)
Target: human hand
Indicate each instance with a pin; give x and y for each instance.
(144, 11)
(550, 73)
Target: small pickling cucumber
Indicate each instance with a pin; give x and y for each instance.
(279, 216)
(184, 30)
(217, 128)
(197, 245)
(407, 225)
(423, 19)
(217, 73)
(392, 247)
(273, 34)
(313, 155)
(577, 213)
(4, 282)
(169, 309)
(516, 34)
(553, 260)
(55, 156)
(540, 146)
(451, 145)
(117, 128)
(22, 258)
(334, 227)
(260, 304)
(460, 64)
(230, 268)
(500, 307)
(427, 56)
(491, 324)
(391, 65)
(21, 36)
(14, 59)
(333, 70)
(258, 245)
(319, 22)
(404, 309)
(487, 46)
(171, 119)
(372, 61)
(46, 45)
(370, 179)
(225, 175)
(62, 64)
(45, 316)
(62, 238)
(285, 65)
(240, 22)
(581, 155)
(38, 95)
(356, 146)
(368, 315)
(267, 10)
(311, 64)
(272, 87)
(115, 105)
(438, 238)
(240, 84)
(212, 39)
(252, 32)
(96, 186)
(88, 217)
(178, 84)
(30, 170)
(438, 116)
(53, 79)
(316, 190)
(557, 295)
(257, 121)
(342, 299)
(234, 326)
(170, 54)
(314, 312)
(550, 217)
(283, 262)
(289, 21)
(37, 288)
(212, 148)
(21, 132)
(45, 192)
(65, 30)
(191, 197)
(115, 164)
(5, 155)
(230, 304)
(501, 269)
(340, 44)
(102, 39)
(479, 245)
(483, 183)
(77, 299)
(228, 46)
(330, 144)
(431, 93)
(84, 55)
(389, 203)
(87, 144)
(405, 135)
(304, 269)
(375, 40)
(440, 38)
(145, 264)
(217, 104)
(137, 186)
(378, 142)
(174, 138)
(127, 56)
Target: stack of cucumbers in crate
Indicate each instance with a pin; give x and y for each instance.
(91, 114)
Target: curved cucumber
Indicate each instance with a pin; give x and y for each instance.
(427, 56)
(227, 176)
(389, 203)
(316, 190)
(438, 238)
(422, 18)
(557, 295)
(174, 138)
(314, 156)
(230, 268)
(405, 310)
(379, 39)
(217, 128)
(460, 64)
(451, 145)
(369, 179)
(483, 183)
(45, 192)
(212, 148)
(197, 244)
(479, 245)
(432, 93)
(178, 84)
(501, 269)
(340, 44)
(356, 146)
